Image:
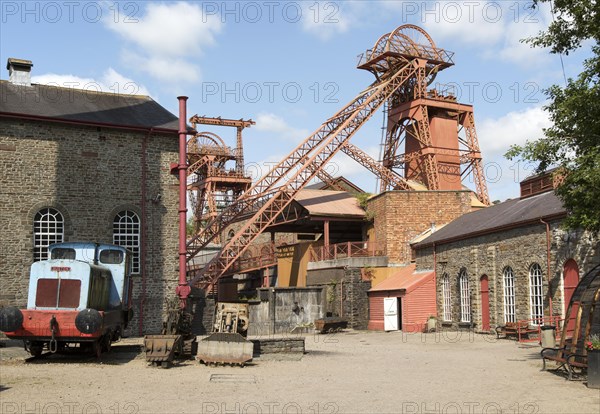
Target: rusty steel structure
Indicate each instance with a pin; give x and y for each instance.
(211, 185)
(430, 137)
(404, 62)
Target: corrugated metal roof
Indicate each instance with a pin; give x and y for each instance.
(489, 219)
(329, 203)
(84, 106)
(405, 279)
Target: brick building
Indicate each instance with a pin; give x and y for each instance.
(508, 262)
(78, 165)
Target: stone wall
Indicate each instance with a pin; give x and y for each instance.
(399, 216)
(280, 310)
(346, 293)
(89, 174)
(518, 248)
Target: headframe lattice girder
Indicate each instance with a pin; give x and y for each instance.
(279, 171)
(340, 130)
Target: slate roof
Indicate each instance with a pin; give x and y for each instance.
(497, 217)
(84, 106)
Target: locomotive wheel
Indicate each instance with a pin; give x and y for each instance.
(97, 348)
(36, 349)
(106, 343)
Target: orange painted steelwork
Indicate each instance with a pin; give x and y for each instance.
(404, 62)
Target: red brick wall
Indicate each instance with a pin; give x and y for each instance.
(399, 216)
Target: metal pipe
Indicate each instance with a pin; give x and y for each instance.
(548, 265)
(183, 289)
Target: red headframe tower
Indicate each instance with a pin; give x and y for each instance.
(430, 137)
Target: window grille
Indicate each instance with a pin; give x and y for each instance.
(447, 297)
(509, 295)
(126, 233)
(48, 228)
(465, 297)
(536, 294)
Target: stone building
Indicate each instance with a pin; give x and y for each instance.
(508, 262)
(79, 165)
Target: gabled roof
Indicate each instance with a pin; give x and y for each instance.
(329, 203)
(405, 279)
(84, 106)
(511, 213)
(341, 181)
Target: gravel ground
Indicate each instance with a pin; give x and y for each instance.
(367, 372)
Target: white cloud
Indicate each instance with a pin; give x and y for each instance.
(162, 41)
(497, 135)
(325, 19)
(111, 81)
(269, 122)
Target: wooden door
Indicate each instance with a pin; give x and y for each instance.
(485, 303)
(570, 281)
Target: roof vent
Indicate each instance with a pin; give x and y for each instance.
(539, 183)
(19, 71)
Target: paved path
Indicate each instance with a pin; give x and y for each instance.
(349, 372)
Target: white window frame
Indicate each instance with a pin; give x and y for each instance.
(508, 281)
(465, 296)
(447, 298)
(48, 228)
(536, 294)
(127, 233)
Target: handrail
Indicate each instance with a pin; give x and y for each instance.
(346, 250)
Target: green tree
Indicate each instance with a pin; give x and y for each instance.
(573, 141)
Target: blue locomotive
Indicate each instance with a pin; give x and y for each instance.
(80, 297)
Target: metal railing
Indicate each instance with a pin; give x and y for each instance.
(346, 250)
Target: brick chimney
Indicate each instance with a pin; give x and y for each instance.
(19, 71)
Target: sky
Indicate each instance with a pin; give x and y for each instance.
(291, 65)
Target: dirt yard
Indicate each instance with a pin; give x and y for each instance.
(367, 372)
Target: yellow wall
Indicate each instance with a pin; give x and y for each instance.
(379, 274)
(292, 261)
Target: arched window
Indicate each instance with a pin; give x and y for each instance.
(536, 294)
(465, 296)
(48, 228)
(508, 280)
(447, 297)
(126, 233)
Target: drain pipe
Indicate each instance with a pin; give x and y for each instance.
(548, 266)
(144, 232)
(183, 289)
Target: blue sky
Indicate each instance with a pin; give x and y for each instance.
(291, 65)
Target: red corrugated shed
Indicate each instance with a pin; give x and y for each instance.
(416, 291)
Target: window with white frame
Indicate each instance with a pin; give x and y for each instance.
(48, 228)
(508, 280)
(126, 233)
(447, 296)
(465, 296)
(536, 294)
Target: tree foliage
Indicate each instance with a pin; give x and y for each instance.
(572, 143)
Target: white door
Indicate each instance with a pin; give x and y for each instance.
(390, 314)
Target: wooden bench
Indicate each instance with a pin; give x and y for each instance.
(569, 361)
(515, 329)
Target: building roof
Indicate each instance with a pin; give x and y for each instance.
(406, 279)
(329, 203)
(84, 106)
(511, 213)
(341, 181)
